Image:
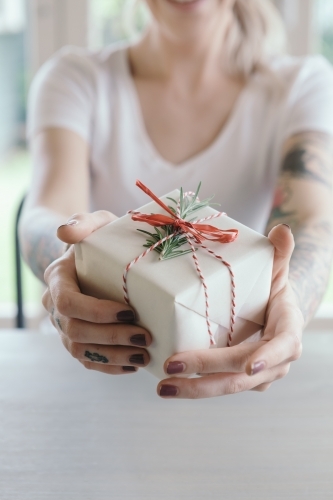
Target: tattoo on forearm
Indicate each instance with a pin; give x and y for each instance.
(303, 200)
(94, 356)
(310, 265)
(40, 245)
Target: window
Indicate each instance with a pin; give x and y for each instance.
(324, 27)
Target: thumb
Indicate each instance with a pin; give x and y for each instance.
(282, 239)
(80, 226)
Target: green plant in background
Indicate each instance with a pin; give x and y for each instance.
(327, 44)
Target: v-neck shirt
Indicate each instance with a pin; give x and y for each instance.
(94, 95)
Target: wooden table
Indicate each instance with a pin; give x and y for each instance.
(67, 433)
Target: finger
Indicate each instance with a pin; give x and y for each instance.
(84, 332)
(47, 301)
(106, 355)
(283, 347)
(110, 370)
(261, 388)
(282, 239)
(69, 301)
(205, 361)
(221, 384)
(81, 225)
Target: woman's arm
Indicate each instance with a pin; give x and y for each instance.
(101, 334)
(304, 201)
(59, 188)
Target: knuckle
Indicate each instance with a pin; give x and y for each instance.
(193, 391)
(263, 388)
(49, 270)
(74, 349)
(284, 370)
(72, 330)
(240, 362)
(63, 303)
(104, 213)
(96, 313)
(200, 364)
(114, 335)
(46, 299)
(235, 385)
(297, 349)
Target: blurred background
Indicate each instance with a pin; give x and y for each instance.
(30, 32)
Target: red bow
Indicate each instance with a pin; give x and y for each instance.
(199, 231)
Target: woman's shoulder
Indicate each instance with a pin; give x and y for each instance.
(294, 71)
(84, 64)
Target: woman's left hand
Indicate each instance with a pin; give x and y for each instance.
(250, 365)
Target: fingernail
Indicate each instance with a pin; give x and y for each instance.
(168, 390)
(137, 359)
(129, 369)
(139, 339)
(286, 226)
(257, 367)
(126, 316)
(175, 367)
(71, 222)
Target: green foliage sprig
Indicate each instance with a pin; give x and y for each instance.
(171, 248)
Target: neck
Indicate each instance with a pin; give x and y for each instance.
(163, 55)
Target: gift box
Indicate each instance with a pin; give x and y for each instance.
(182, 309)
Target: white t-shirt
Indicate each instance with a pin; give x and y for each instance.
(93, 94)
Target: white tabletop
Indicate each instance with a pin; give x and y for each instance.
(67, 433)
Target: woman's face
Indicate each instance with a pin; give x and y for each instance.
(184, 15)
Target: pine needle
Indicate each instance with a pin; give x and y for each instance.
(170, 249)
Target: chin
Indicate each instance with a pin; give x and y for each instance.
(185, 6)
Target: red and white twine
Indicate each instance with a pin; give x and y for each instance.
(191, 241)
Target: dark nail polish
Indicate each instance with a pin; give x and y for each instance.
(175, 367)
(126, 316)
(139, 339)
(129, 369)
(257, 367)
(168, 390)
(137, 359)
(287, 225)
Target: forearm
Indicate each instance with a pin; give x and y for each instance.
(304, 201)
(38, 238)
(310, 264)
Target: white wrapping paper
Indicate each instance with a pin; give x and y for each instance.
(168, 296)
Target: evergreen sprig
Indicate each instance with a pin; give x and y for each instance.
(171, 248)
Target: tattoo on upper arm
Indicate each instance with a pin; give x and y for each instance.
(309, 156)
(302, 163)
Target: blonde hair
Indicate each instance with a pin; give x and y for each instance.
(255, 37)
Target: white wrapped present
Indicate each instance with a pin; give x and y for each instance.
(168, 295)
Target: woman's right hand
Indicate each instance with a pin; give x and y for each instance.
(101, 334)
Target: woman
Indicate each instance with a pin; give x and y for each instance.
(206, 94)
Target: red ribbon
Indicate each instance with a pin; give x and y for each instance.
(199, 231)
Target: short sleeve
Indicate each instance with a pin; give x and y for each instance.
(62, 94)
(311, 100)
